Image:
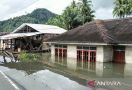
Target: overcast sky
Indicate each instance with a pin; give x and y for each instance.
(13, 8)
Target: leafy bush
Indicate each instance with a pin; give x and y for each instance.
(28, 57)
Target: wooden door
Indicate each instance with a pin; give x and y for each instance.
(79, 55)
(64, 52)
(56, 51)
(119, 56)
(85, 55)
(92, 56)
(60, 52)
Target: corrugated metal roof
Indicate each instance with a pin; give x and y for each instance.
(43, 28)
(16, 35)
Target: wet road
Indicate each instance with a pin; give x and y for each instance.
(40, 80)
(6, 83)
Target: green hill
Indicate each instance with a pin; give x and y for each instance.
(38, 16)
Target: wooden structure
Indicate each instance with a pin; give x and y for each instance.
(30, 37)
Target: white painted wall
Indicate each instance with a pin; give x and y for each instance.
(104, 53)
(128, 54)
(99, 54)
(71, 51)
(52, 50)
(108, 53)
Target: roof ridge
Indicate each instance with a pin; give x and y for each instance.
(116, 19)
(104, 32)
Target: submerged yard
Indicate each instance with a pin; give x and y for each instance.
(52, 73)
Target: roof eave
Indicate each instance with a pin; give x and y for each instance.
(78, 43)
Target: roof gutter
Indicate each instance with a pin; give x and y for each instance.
(78, 43)
(125, 44)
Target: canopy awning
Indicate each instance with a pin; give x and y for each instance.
(17, 35)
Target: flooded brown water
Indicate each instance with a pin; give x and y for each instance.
(79, 71)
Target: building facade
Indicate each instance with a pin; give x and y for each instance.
(97, 41)
(99, 53)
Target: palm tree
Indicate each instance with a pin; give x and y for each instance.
(70, 16)
(86, 11)
(130, 6)
(74, 15)
(122, 8)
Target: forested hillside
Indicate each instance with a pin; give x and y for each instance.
(38, 16)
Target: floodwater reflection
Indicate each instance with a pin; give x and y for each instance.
(86, 69)
(74, 69)
(95, 69)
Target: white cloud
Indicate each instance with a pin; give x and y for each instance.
(102, 13)
(8, 7)
(56, 6)
(103, 8)
(102, 3)
(12, 8)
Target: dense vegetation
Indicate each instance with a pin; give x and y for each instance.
(123, 8)
(74, 15)
(38, 16)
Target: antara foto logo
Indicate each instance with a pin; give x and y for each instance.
(93, 83)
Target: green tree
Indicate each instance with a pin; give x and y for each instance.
(123, 8)
(74, 15)
(57, 21)
(68, 19)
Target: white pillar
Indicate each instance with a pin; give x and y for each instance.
(52, 50)
(52, 58)
(99, 54)
(108, 53)
(128, 54)
(1, 44)
(71, 51)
